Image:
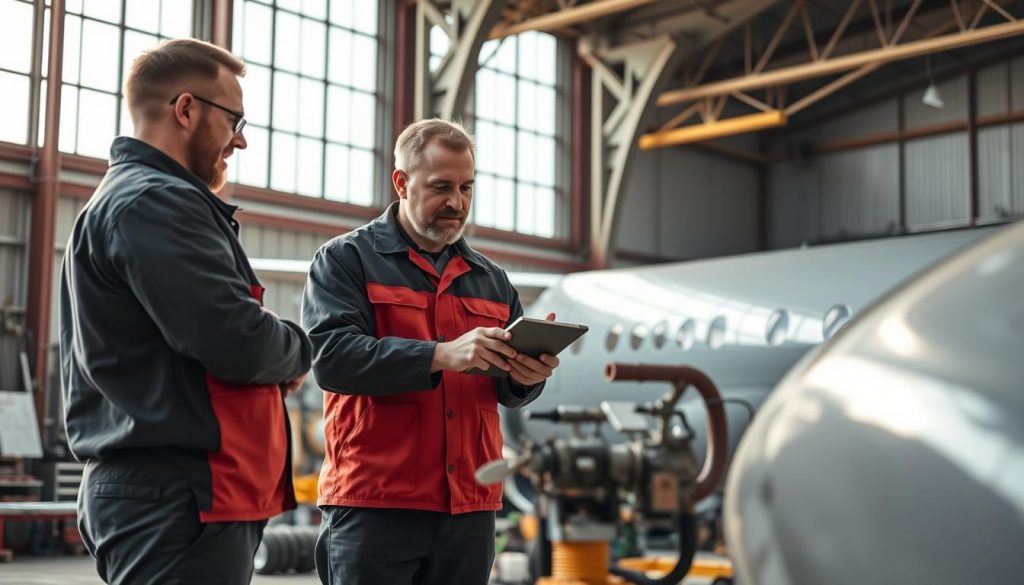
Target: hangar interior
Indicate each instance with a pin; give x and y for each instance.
(610, 134)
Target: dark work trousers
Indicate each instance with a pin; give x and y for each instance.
(139, 519)
(370, 546)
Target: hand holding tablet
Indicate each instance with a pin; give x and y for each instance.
(535, 337)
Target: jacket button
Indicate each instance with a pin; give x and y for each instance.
(450, 413)
(451, 468)
(441, 338)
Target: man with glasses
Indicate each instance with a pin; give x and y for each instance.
(174, 376)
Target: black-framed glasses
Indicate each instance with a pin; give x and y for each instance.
(239, 117)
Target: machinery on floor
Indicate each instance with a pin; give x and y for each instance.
(586, 484)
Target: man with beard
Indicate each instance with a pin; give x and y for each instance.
(398, 310)
(173, 373)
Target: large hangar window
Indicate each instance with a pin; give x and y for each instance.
(311, 97)
(16, 24)
(97, 34)
(521, 152)
(516, 128)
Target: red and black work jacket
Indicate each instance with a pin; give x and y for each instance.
(165, 348)
(398, 436)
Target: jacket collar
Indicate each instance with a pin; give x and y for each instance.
(387, 239)
(131, 150)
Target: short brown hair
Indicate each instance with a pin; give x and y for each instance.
(156, 72)
(411, 142)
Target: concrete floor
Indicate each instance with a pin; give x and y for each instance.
(28, 570)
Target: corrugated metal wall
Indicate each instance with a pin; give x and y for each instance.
(284, 291)
(856, 192)
(794, 205)
(1001, 148)
(688, 203)
(67, 210)
(14, 228)
(938, 181)
(267, 242)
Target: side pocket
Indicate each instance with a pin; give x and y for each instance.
(490, 435)
(383, 450)
(248, 471)
(490, 449)
(129, 491)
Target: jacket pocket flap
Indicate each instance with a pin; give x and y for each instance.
(395, 295)
(486, 308)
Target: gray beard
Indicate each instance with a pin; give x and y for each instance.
(442, 235)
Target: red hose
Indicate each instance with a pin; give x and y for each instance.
(718, 436)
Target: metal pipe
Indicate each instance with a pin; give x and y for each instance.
(682, 377)
(221, 25)
(44, 207)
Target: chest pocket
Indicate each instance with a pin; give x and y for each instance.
(399, 312)
(484, 313)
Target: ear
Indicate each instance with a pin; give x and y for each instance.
(401, 182)
(183, 110)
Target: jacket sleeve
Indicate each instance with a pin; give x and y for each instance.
(180, 265)
(347, 357)
(510, 394)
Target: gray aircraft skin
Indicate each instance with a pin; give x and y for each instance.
(744, 320)
(894, 453)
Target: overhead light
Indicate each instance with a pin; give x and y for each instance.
(931, 96)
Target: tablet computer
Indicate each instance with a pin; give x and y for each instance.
(535, 337)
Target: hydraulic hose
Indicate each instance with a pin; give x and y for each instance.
(718, 436)
(687, 550)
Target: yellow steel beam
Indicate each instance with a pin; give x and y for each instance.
(716, 129)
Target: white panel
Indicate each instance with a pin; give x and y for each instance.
(1015, 154)
(264, 242)
(938, 190)
(310, 244)
(289, 245)
(14, 222)
(1017, 84)
(11, 210)
(731, 224)
(637, 210)
(713, 210)
(993, 93)
(14, 219)
(994, 187)
(954, 96)
(252, 240)
(860, 192)
(794, 204)
(883, 117)
(58, 261)
(794, 200)
(67, 210)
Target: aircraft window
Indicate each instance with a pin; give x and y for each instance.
(716, 333)
(776, 331)
(687, 335)
(835, 318)
(614, 333)
(660, 334)
(636, 339)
